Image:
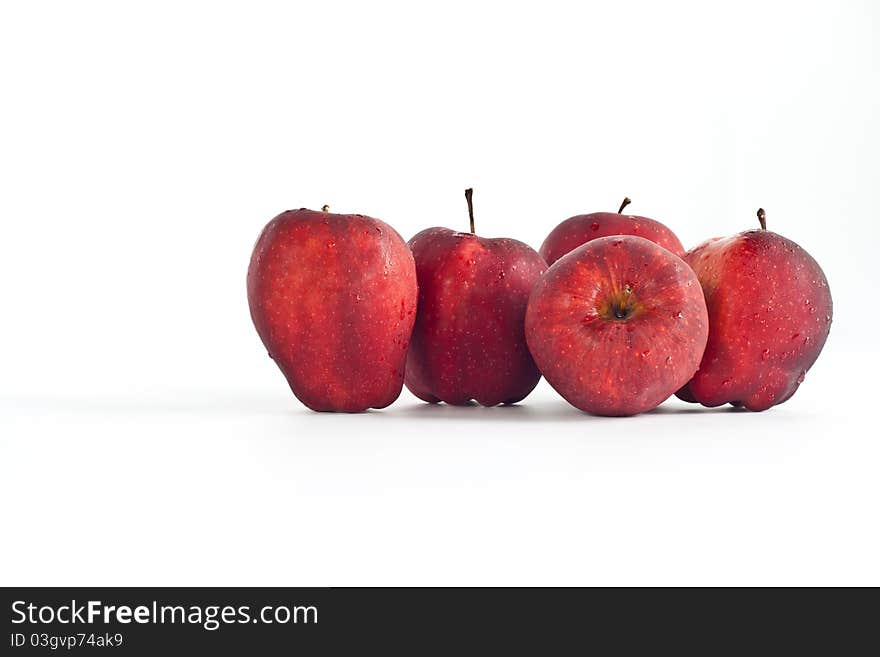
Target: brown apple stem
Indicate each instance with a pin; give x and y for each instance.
(622, 309)
(762, 218)
(626, 201)
(469, 197)
(325, 208)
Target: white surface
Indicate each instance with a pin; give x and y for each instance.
(145, 437)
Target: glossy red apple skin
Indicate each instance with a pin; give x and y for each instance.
(610, 365)
(469, 338)
(583, 228)
(770, 313)
(333, 297)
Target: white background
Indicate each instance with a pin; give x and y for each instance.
(145, 437)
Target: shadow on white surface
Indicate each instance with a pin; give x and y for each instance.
(534, 409)
(540, 410)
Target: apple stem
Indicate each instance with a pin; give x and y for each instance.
(325, 208)
(622, 309)
(762, 218)
(626, 201)
(469, 197)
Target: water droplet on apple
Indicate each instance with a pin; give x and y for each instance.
(331, 244)
(795, 336)
(501, 274)
(595, 225)
(677, 315)
(765, 354)
(646, 353)
(669, 360)
(801, 377)
(726, 382)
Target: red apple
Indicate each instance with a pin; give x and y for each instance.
(769, 316)
(333, 297)
(618, 325)
(578, 230)
(468, 342)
